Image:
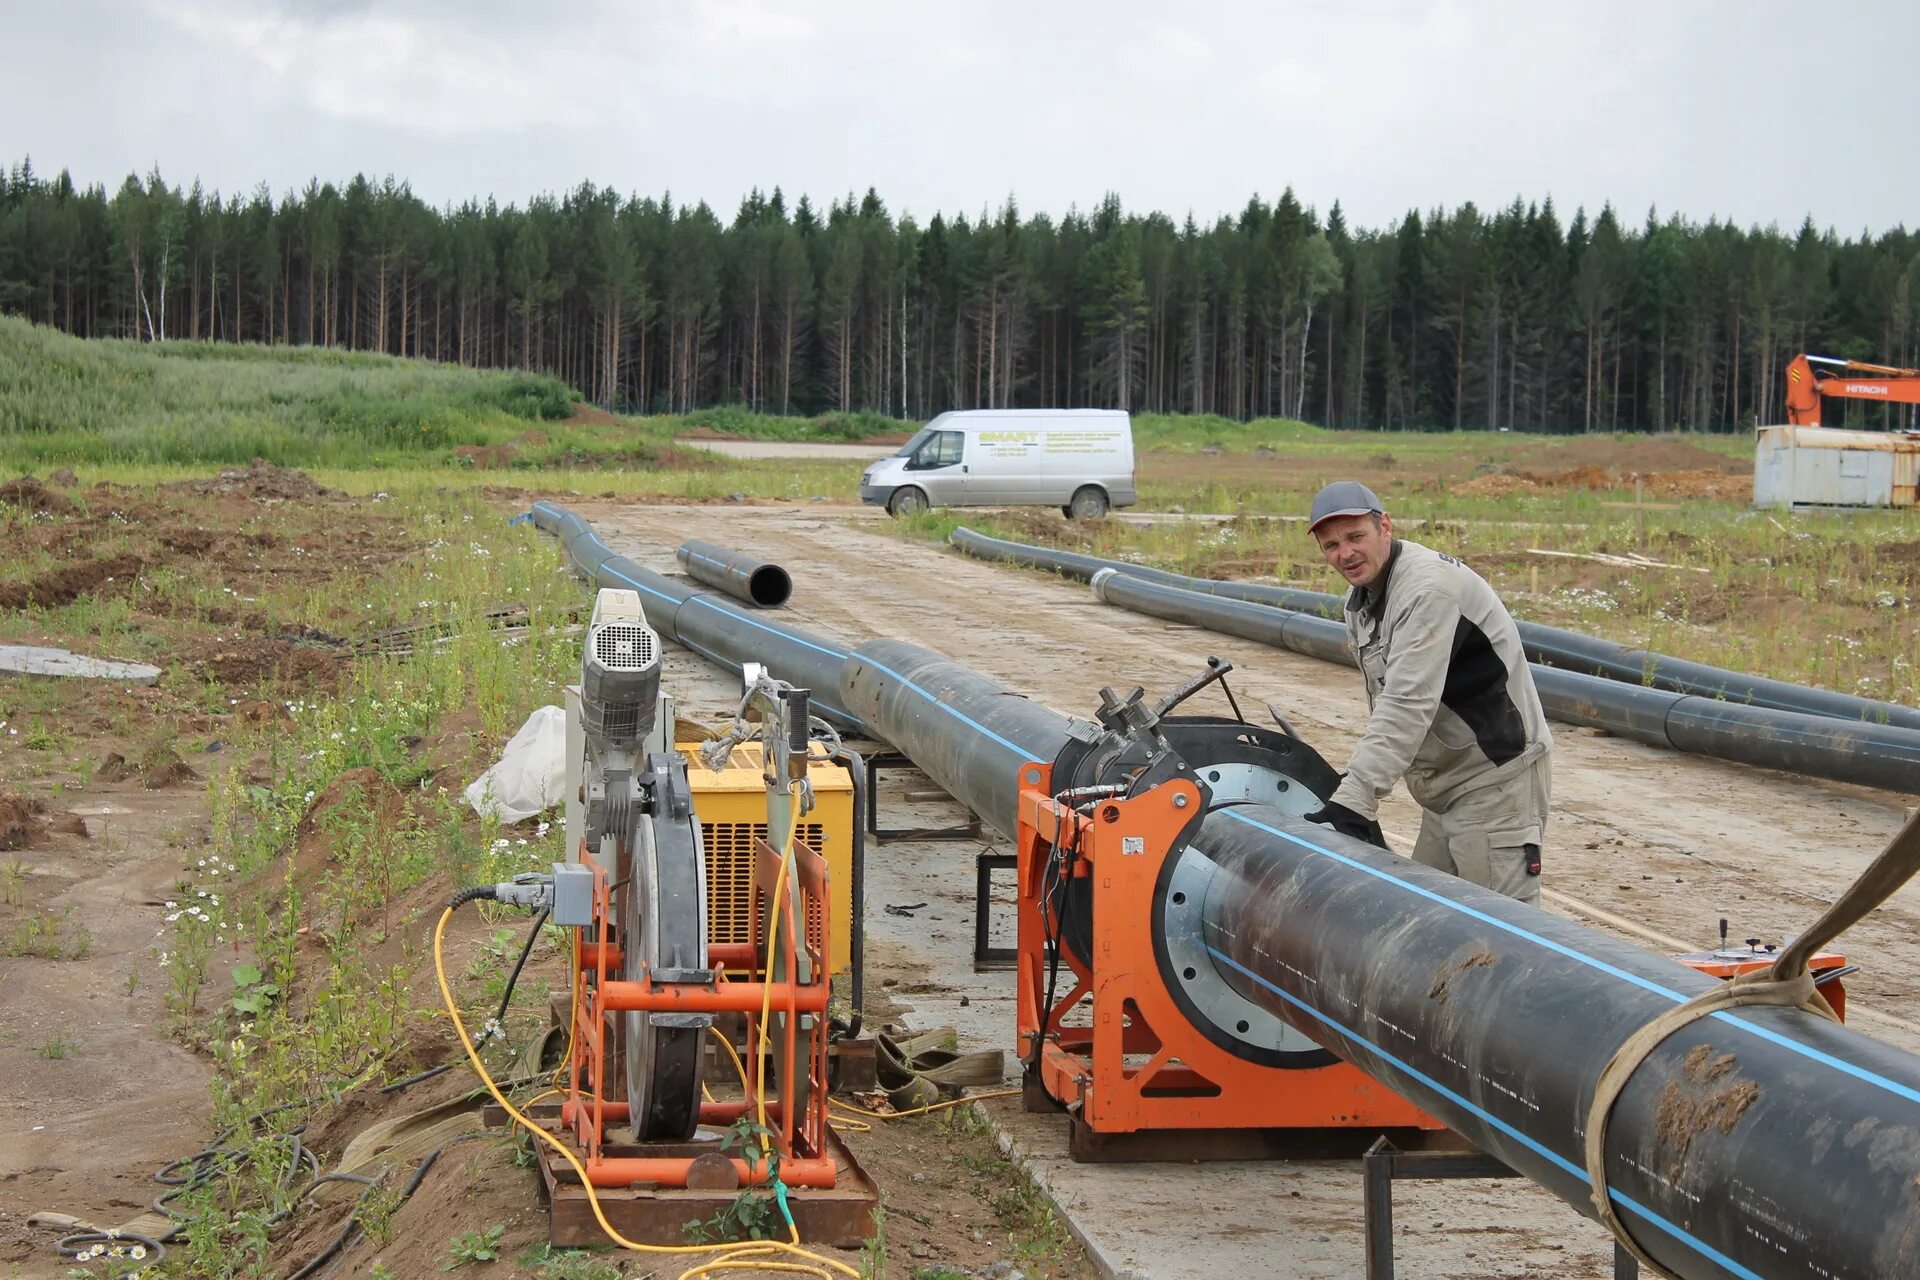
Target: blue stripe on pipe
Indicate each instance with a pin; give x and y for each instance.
(1647, 984)
(1024, 754)
(1626, 1202)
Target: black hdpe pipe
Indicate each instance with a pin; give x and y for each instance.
(1495, 1017)
(1549, 646)
(703, 622)
(1872, 755)
(744, 577)
(1763, 1143)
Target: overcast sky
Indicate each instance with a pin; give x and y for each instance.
(1758, 112)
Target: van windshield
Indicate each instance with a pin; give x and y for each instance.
(919, 438)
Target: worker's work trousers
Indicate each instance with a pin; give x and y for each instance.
(1483, 835)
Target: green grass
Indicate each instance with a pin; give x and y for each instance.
(66, 401)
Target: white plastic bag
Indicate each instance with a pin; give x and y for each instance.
(531, 774)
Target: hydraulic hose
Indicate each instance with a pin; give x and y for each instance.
(746, 578)
(1547, 646)
(1872, 755)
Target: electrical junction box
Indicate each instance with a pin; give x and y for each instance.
(731, 805)
(572, 894)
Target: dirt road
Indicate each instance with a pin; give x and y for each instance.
(1647, 842)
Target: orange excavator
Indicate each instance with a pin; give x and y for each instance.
(1810, 379)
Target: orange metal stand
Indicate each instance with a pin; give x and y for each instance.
(1136, 1063)
(795, 1046)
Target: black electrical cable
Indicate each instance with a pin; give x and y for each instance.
(351, 1228)
(857, 949)
(499, 1016)
(1054, 913)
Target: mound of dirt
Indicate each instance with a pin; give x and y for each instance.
(1587, 477)
(160, 768)
(69, 582)
(25, 822)
(1496, 485)
(29, 494)
(164, 768)
(261, 481)
(253, 659)
(22, 821)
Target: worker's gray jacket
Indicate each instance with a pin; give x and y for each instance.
(1454, 707)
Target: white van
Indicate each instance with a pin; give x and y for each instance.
(1080, 460)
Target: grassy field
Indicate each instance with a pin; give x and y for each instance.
(1824, 599)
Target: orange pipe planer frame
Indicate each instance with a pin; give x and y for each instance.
(1185, 1081)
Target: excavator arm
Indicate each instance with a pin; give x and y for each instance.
(1810, 378)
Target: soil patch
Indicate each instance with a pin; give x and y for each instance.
(69, 582)
(261, 481)
(251, 660)
(584, 415)
(29, 494)
(191, 542)
(1648, 453)
(1697, 482)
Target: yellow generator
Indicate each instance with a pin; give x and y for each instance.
(732, 808)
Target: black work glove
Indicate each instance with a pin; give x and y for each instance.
(1348, 823)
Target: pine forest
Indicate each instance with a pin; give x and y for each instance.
(1520, 318)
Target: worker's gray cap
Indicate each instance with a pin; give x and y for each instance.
(1344, 498)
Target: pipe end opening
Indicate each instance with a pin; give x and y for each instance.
(770, 586)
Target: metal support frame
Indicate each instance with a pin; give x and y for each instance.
(895, 760)
(1385, 1163)
(985, 954)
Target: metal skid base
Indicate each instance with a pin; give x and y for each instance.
(840, 1216)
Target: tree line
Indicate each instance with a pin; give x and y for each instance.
(1452, 318)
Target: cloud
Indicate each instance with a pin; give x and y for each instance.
(433, 75)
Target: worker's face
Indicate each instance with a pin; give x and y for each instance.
(1357, 546)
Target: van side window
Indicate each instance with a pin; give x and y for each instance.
(943, 449)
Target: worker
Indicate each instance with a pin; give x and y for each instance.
(1454, 710)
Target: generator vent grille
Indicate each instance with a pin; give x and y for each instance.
(624, 646)
(730, 875)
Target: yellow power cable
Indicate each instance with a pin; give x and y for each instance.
(920, 1111)
(739, 1067)
(743, 1257)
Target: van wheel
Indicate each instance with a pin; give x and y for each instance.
(1089, 503)
(907, 502)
